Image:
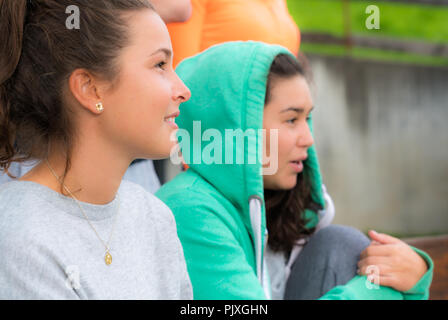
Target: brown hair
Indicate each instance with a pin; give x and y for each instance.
(285, 208)
(38, 55)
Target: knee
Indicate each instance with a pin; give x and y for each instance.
(341, 241)
(329, 259)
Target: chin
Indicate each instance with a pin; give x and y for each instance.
(160, 153)
(281, 184)
(163, 154)
(288, 183)
(288, 187)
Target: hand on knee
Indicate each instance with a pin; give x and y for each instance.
(394, 263)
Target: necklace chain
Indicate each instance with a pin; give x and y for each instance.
(108, 256)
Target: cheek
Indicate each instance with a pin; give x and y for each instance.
(278, 148)
(286, 144)
(152, 94)
(138, 107)
(280, 141)
(144, 100)
(285, 178)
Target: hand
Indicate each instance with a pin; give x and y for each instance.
(399, 266)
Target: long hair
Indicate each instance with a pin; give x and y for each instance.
(285, 208)
(38, 53)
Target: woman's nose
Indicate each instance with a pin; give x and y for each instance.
(306, 138)
(181, 92)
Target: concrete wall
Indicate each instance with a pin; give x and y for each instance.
(382, 136)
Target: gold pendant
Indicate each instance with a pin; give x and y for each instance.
(108, 258)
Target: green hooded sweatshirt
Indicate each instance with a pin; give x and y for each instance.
(218, 203)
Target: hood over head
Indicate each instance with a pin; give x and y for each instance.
(220, 126)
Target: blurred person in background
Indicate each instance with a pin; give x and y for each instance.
(173, 10)
(217, 21)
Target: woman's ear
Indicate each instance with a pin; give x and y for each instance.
(85, 89)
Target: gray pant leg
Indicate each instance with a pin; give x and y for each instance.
(328, 260)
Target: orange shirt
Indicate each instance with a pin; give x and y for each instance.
(217, 21)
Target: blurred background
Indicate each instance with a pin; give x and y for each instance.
(381, 98)
(381, 112)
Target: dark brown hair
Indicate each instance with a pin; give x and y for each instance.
(37, 56)
(285, 208)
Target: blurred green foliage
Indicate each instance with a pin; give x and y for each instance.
(397, 20)
(373, 54)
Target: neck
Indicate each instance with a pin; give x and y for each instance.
(94, 176)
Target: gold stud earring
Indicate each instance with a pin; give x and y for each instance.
(99, 107)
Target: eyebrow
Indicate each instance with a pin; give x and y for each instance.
(295, 109)
(164, 50)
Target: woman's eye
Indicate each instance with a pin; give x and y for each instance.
(161, 64)
(292, 120)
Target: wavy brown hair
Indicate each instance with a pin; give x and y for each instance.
(38, 53)
(285, 208)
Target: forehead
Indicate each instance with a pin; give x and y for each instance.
(292, 91)
(147, 31)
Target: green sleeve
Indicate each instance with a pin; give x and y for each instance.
(421, 289)
(216, 261)
(359, 289)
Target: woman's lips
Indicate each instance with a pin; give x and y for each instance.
(297, 166)
(171, 120)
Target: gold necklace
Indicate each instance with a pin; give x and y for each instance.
(107, 255)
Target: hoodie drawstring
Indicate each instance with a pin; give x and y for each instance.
(255, 219)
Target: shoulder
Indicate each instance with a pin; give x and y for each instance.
(131, 191)
(25, 225)
(9, 188)
(30, 264)
(20, 208)
(140, 201)
(189, 193)
(189, 189)
(199, 207)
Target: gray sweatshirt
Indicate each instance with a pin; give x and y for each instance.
(49, 251)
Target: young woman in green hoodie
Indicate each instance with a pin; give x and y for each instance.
(224, 208)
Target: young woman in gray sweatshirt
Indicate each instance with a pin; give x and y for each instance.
(86, 87)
